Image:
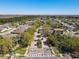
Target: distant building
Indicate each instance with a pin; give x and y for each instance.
(57, 31)
(20, 29)
(30, 22)
(5, 27)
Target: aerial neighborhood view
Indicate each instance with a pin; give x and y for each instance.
(39, 29)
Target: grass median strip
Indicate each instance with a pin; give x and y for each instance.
(20, 51)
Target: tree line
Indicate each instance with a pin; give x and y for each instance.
(16, 19)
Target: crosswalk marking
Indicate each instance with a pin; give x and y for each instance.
(39, 55)
(33, 53)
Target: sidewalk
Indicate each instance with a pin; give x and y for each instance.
(27, 50)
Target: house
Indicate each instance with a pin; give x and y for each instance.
(30, 22)
(5, 27)
(20, 29)
(57, 31)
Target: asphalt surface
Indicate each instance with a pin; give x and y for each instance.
(44, 58)
(40, 58)
(33, 51)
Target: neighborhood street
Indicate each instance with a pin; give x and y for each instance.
(34, 51)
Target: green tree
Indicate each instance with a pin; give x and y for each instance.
(70, 45)
(6, 46)
(52, 40)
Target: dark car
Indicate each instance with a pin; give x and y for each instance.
(35, 44)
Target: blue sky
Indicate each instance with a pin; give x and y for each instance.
(50, 7)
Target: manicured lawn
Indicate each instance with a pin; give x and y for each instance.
(39, 43)
(56, 50)
(19, 56)
(20, 51)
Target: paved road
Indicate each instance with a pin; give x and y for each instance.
(41, 58)
(38, 58)
(44, 58)
(33, 50)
